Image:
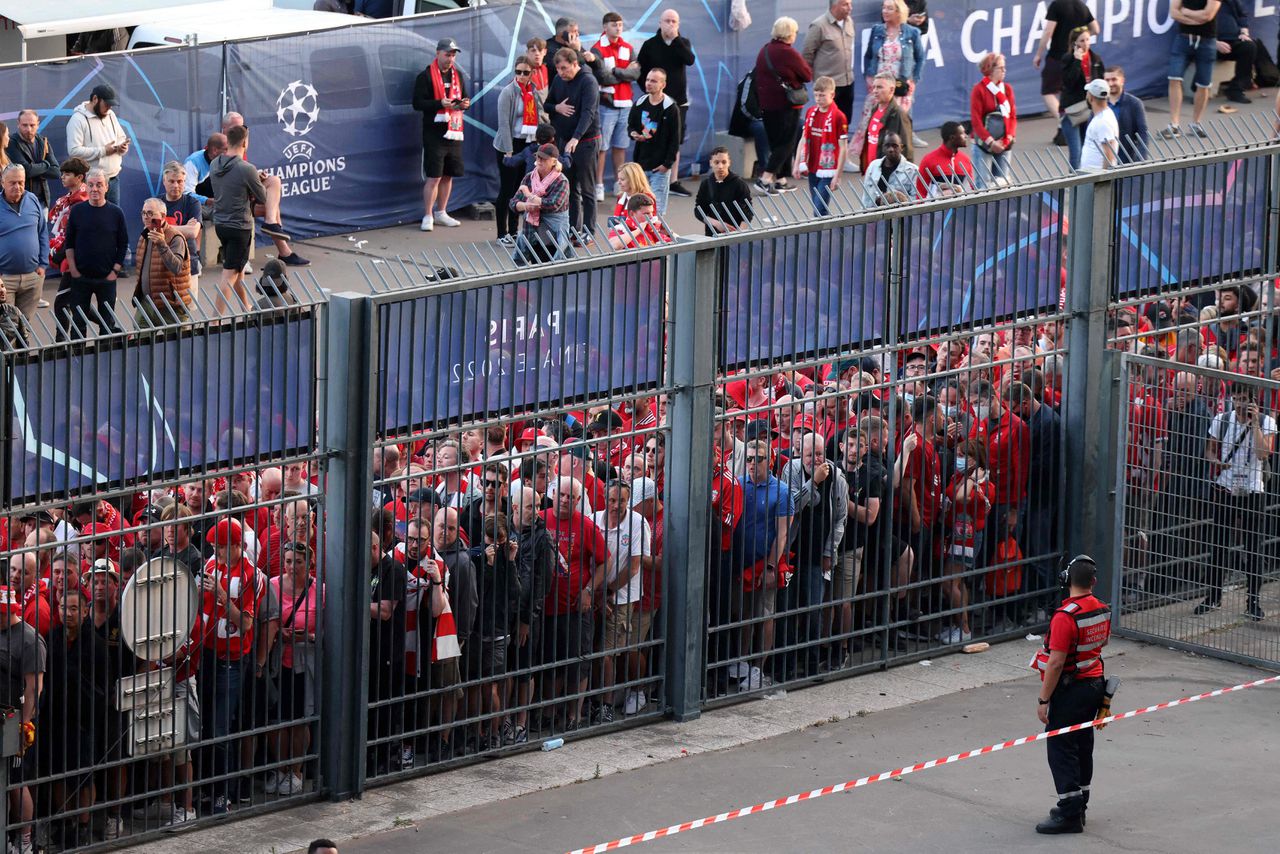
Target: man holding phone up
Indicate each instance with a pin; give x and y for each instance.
(95, 136)
(439, 94)
(1241, 441)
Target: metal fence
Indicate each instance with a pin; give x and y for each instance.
(538, 502)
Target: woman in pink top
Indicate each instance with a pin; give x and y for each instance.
(300, 597)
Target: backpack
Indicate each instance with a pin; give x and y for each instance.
(746, 107)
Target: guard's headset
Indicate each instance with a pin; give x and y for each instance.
(1065, 575)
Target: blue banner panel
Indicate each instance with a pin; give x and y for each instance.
(168, 105)
(515, 347)
(155, 408)
(970, 265)
(1202, 222)
(802, 294)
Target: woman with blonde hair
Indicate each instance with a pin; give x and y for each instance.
(895, 47)
(631, 182)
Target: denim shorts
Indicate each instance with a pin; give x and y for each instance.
(1202, 50)
(613, 127)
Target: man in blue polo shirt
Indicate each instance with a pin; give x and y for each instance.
(24, 242)
(760, 542)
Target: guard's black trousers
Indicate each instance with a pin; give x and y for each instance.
(1071, 755)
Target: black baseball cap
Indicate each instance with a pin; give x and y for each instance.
(760, 428)
(447, 44)
(106, 93)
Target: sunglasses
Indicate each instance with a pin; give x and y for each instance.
(524, 73)
(757, 459)
(491, 484)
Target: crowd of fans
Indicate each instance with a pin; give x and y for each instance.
(516, 586)
(516, 582)
(81, 237)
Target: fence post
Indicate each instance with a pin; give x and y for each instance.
(691, 330)
(1091, 377)
(348, 438)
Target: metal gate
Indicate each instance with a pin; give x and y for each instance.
(1196, 484)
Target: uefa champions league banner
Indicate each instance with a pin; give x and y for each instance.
(521, 346)
(1134, 34)
(153, 409)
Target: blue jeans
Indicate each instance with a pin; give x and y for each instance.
(761, 136)
(219, 684)
(820, 194)
(1202, 50)
(548, 241)
(987, 166)
(1074, 135)
(661, 183)
(113, 190)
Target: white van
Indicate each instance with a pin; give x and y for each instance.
(34, 31)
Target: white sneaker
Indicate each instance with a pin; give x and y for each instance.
(290, 784)
(636, 700)
(753, 680)
(113, 827)
(599, 192)
(965, 637)
(179, 816)
(739, 670)
(851, 166)
(428, 224)
(447, 221)
(273, 782)
(617, 188)
(406, 757)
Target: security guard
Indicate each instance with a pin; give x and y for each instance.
(1072, 691)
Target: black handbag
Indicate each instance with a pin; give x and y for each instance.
(795, 97)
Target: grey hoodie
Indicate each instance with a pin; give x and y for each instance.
(236, 187)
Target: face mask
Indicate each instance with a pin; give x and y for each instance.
(950, 411)
(962, 463)
(982, 412)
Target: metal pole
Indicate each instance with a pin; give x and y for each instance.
(1091, 378)
(692, 288)
(347, 435)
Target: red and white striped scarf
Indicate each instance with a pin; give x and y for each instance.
(1002, 99)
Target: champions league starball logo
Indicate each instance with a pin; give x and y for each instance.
(297, 108)
(303, 172)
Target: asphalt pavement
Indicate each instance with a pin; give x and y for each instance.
(1191, 779)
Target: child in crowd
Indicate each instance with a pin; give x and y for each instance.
(823, 145)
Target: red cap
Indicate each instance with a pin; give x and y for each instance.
(529, 435)
(226, 533)
(804, 421)
(97, 528)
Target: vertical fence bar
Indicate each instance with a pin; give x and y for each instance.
(692, 308)
(1090, 374)
(348, 433)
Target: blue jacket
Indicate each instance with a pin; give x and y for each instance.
(912, 53)
(24, 236)
(1231, 19)
(1131, 116)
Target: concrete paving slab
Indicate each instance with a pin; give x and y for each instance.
(1192, 779)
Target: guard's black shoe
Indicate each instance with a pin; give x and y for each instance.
(1060, 824)
(1084, 815)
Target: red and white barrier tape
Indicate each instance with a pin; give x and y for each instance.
(897, 772)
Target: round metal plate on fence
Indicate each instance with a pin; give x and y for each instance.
(158, 608)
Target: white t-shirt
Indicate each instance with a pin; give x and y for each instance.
(630, 539)
(1103, 128)
(1241, 468)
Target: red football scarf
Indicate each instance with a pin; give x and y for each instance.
(453, 93)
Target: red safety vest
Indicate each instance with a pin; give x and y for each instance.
(1092, 617)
